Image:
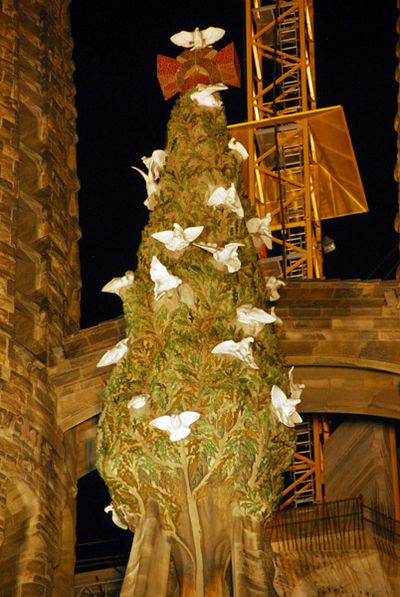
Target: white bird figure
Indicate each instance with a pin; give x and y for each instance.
(204, 95)
(261, 228)
(238, 148)
(272, 284)
(253, 318)
(295, 388)
(240, 350)
(116, 285)
(227, 256)
(155, 164)
(285, 408)
(178, 238)
(228, 198)
(163, 280)
(115, 517)
(138, 401)
(178, 426)
(197, 39)
(151, 188)
(115, 354)
(277, 319)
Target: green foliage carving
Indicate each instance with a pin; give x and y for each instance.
(237, 444)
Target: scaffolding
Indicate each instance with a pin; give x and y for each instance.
(301, 166)
(99, 581)
(282, 82)
(301, 170)
(306, 482)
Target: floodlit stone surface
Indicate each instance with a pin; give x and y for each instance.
(39, 280)
(343, 337)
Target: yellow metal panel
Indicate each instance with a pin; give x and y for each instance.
(340, 190)
(337, 182)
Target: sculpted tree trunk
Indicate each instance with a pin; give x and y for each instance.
(197, 503)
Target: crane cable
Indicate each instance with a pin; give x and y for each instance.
(277, 152)
(376, 268)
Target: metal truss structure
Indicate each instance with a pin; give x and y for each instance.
(301, 170)
(301, 166)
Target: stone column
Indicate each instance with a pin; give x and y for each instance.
(39, 281)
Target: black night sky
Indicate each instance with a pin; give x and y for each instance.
(122, 116)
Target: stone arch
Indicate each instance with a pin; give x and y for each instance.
(30, 170)
(350, 387)
(30, 307)
(28, 264)
(28, 259)
(19, 540)
(30, 128)
(64, 570)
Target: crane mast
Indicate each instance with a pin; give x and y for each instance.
(280, 82)
(301, 170)
(301, 166)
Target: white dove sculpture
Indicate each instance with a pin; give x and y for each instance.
(285, 408)
(163, 280)
(178, 426)
(115, 517)
(155, 163)
(296, 389)
(227, 256)
(228, 198)
(278, 320)
(204, 95)
(272, 284)
(138, 401)
(254, 319)
(239, 350)
(260, 227)
(237, 147)
(115, 354)
(151, 188)
(197, 39)
(178, 238)
(116, 285)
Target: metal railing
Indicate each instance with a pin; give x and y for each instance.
(109, 553)
(332, 525)
(305, 479)
(101, 588)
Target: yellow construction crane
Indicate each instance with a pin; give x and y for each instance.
(301, 170)
(301, 166)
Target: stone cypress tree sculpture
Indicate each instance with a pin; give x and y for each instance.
(188, 440)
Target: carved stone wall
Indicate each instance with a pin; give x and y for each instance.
(357, 462)
(336, 548)
(39, 286)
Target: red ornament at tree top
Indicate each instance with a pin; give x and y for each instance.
(200, 64)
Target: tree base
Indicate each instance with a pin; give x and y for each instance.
(237, 564)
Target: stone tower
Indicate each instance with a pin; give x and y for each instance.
(39, 281)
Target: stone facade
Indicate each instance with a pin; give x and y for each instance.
(357, 462)
(39, 281)
(338, 548)
(329, 331)
(343, 337)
